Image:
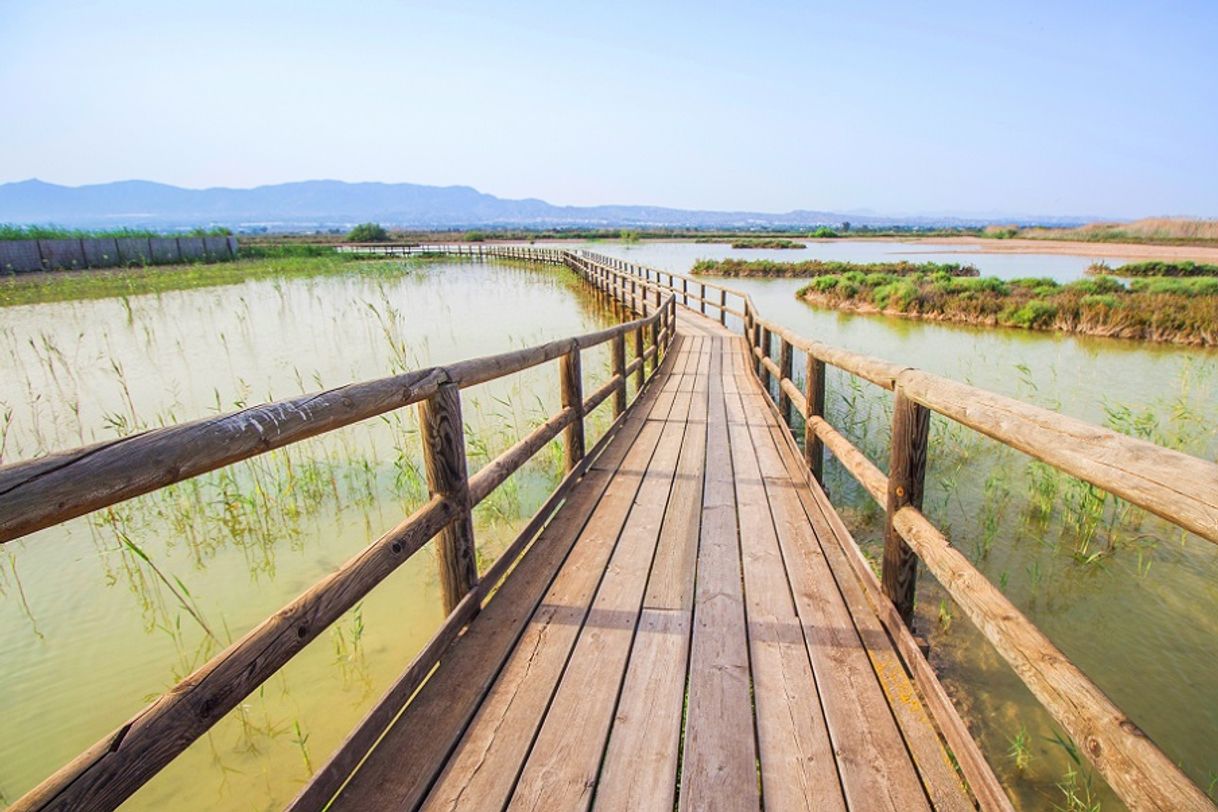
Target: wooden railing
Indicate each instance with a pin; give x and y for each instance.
(47, 491)
(1175, 486)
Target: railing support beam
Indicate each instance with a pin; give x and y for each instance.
(447, 476)
(572, 388)
(906, 478)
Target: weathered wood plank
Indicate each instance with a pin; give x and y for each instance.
(640, 765)
(447, 478)
(561, 769)
(935, 769)
(798, 769)
(906, 479)
(452, 694)
(720, 755)
(1175, 486)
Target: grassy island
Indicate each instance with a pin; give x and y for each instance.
(1180, 311)
(1154, 268)
(771, 243)
(816, 267)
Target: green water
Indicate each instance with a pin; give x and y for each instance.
(1128, 598)
(90, 631)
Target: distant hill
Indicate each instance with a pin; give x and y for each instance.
(328, 203)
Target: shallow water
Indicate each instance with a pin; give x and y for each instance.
(91, 631)
(1140, 618)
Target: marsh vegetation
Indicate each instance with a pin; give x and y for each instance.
(741, 268)
(101, 614)
(1175, 310)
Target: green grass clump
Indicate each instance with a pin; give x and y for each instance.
(368, 232)
(1178, 310)
(1155, 268)
(767, 243)
(824, 232)
(818, 267)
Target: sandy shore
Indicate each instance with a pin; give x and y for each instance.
(1098, 250)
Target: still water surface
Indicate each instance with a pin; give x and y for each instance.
(90, 630)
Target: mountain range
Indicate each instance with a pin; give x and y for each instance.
(320, 204)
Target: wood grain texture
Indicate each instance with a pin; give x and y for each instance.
(814, 407)
(906, 480)
(571, 389)
(720, 754)
(447, 478)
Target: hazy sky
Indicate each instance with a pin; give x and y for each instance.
(905, 107)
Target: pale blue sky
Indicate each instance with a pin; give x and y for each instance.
(906, 107)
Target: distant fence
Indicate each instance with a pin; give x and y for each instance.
(24, 256)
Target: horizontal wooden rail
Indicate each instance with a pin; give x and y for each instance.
(1174, 486)
(51, 490)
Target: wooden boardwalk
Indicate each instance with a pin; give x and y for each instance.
(685, 622)
(686, 630)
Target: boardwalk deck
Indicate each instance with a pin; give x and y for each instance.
(686, 631)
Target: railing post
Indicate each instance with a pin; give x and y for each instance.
(785, 356)
(723, 306)
(906, 476)
(685, 291)
(571, 383)
(444, 462)
(654, 329)
(814, 391)
(640, 374)
(766, 342)
(619, 370)
(702, 299)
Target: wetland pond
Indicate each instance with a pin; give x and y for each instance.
(105, 612)
(1128, 598)
(100, 615)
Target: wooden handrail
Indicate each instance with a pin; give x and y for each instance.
(51, 490)
(1177, 487)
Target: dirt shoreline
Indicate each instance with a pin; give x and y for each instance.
(1098, 250)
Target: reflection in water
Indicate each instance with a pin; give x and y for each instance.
(1129, 598)
(100, 615)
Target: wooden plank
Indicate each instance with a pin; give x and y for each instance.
(447, 478)
(561, 769)
(571, 389)
(798, 770)
(838, 546)
(486, 761)
(720, 755)
(640, 764)
(876, 772)
(814, 402)
(1175, 486)
(52, 489)
(451, 696)
(812, 548)
(906, 479)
